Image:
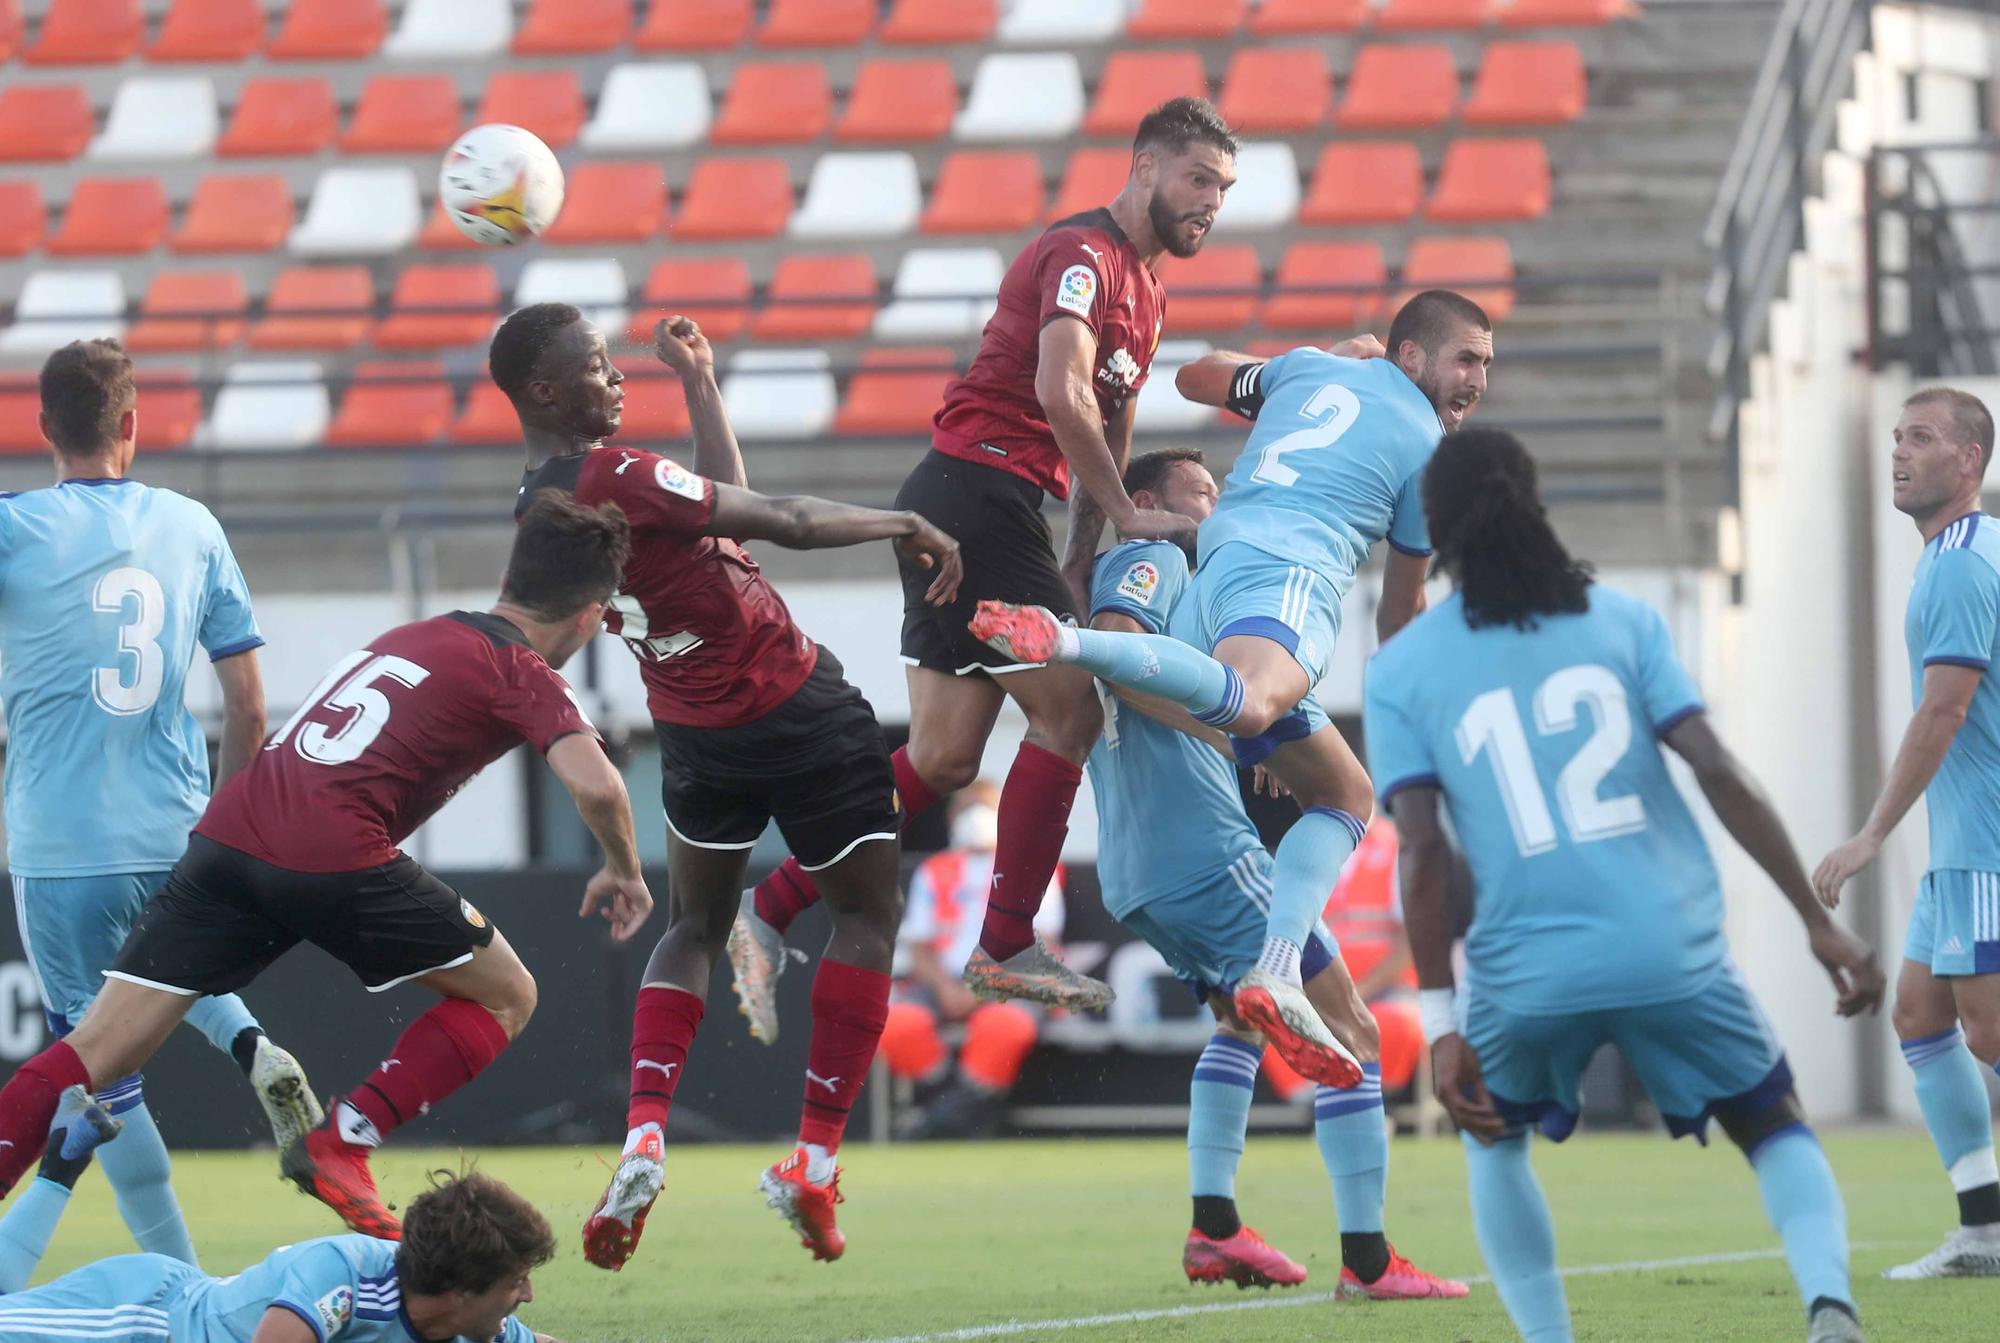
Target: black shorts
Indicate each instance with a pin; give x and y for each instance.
(222, 917)
(996, 518)
(816, 764)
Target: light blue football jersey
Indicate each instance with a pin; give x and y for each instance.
(1954, 618)
(1593, 884)
(106, 587)
(1334, 464)
(345, 1287)
(1169, 815)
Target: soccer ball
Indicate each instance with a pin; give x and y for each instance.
(500, 185)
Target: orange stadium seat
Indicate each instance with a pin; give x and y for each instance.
(1283, 17)
(316, 308)
(439, 234)
(735, 198)
(1327, 266)
(44, 122)
(1193, 281)
(88, 32)
(1276, 89)
(712, 25)
(985, 191)
(1491, 180)
(899, 100)
(1482, 269)
(612, 202)
(1399, 87)
(190, 310)
(1565, 13)
(20, 409)
(404, 404)
(817, 23)
(895, 391)
(1407, 15)
(112, 216)
(556, 27)
(23, 217)
(1186, 18)
(281, 116)
(938, 22)
(463, 303)
(655, 407)
(209, 30)
(1133, 83)
(488, 417)
(403, 114)
(846, 281)
(330, 30)
(10, 29)
(547, 102)
(714, 291)
(1365, 182)
(774, 102)
(236, 214)
(173, 407)
(1090, 179)
(1526, 84)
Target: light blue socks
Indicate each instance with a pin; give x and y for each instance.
(1309, 860)
(1517, 1237)
(1159, 664)
(26, 1230)
(1804, 1205)
(1353, 1138)
(1219, 1113)
(137, 1166)
(221, 1019)
(1951, 1092)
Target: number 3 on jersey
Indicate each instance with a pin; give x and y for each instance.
(138, 639)
(350, 687)
(1492, 721)
(1331, 410)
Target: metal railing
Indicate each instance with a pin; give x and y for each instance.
(1933, 261)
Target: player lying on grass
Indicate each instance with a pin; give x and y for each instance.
(1332, 467)
(1182, 866)
(1537, 706)
(469, 1245)
(755, 722)
(300, 846)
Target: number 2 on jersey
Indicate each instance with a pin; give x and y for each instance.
(350, 686)
(1492, 721)
(1332, 411)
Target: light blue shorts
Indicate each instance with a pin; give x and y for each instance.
(1710, 1052)
(1955, 925)
(131, 1298)
(1211, 936)
(1243, 590)
(72, 928)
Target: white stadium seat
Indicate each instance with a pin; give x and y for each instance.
(1266, 194)
(779, 393)
(437, 29)
(59, 306)
(274, 405)
(860, 196)
(594, 284)
(159, 117)
(1162, 408)
(1063, 21)
(659, 106)
(359, 212)
(941, 293)
(1023, 97)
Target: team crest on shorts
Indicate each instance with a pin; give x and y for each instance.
(1077, 289)
(1139, 582)
(335, 1308)
(471, 915)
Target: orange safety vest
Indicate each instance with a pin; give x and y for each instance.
(1362, 910)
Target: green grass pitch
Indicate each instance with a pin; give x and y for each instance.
(945, 1242)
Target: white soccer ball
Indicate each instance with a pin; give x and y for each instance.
(500, 185)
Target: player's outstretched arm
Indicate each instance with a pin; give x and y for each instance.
(242, 712)
(682, 347)
(618, 889)
(280, 1325)
(1066, 356)
(801, 522)
(1948, 692)
(1208, 379)
(1747, 814)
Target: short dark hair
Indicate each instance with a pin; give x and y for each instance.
(1971, 421)
(86, 390)
(469, 1233)
(520, 342)
(1429, 318)
(566, 555)
(1149, 470)
(1493, 536)
(1179, 122)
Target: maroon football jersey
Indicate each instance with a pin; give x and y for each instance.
(385, 739)
(715, 642)
(1084, 267)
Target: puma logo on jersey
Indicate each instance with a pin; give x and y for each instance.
(665, 1070)
(629, 458)
(830, 1083)
(386, 1064)
(1095, 255)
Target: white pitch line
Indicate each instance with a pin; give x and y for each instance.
(1307, 1299)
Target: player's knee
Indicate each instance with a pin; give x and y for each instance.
(513, 1003)
(1069, 728)
(945, 766)
(1982, 1037)
(1915, 1019)
(1750, 1129)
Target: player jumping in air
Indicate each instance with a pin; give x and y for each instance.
(1182, 866)
(1947, 1011)
(1534, 705)
(107, 587)
(300, 846)
(1332, 467)
(1049, 398)
(468, 1247)
(755, 722)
